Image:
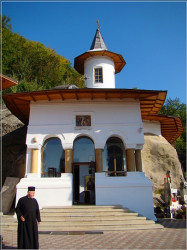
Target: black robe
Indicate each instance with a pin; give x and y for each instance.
(28, 230)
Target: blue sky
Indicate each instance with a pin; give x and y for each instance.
(151, 36)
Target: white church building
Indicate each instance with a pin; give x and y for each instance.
(96, 133)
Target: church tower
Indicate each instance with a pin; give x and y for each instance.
(99, 65)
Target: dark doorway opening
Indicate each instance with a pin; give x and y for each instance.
(83, 184)
(76, 184)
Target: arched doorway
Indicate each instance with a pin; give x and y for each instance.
(53, 163)
(83, 171)
(114, 157)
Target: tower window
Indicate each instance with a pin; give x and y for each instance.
(98, 75)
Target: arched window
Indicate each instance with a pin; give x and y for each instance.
(114, 157)
(53, 163)
(84, 150)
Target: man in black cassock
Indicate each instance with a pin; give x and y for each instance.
(28, 215)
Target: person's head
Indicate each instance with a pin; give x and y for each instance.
(31, 192)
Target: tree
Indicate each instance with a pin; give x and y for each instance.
(6, 23)
(177, 109)
(32, 64)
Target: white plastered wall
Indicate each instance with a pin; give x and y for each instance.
(133, 191)
(49, 191)
(151, 127)
(107, 65)
(122, 119)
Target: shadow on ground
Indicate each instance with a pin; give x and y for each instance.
(4, 246)
(172, 223)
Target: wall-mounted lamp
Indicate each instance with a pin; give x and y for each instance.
(34, 140)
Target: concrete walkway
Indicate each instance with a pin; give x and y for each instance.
(173, 236)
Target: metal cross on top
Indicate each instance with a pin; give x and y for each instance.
(98, 25)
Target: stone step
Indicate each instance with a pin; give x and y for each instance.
(87, 207)
(94, 222)
(90, 218)
(83, 222)
(84, 210)
(5, 223)
(86, 218)
(86, 214)
(87, 228)
(100, 227)
(86, 221)
(7, 220)
(90, 227)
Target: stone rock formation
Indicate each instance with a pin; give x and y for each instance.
(13, 145)
(9, 122)
(14, 153)
(158, 157)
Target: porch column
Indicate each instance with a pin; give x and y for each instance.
(34, 161)
(99, 159)
(131, 165)
(138, 160)
(68, 160)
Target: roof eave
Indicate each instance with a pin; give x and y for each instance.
(117, 58)
(171, 127)
(7, 82)
(19, 103)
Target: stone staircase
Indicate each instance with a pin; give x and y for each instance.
(87, 218)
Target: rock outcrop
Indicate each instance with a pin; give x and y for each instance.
(13, 146)
(14, 153)
(158, 157)
(9, 122)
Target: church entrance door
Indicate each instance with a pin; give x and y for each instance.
(83, 183)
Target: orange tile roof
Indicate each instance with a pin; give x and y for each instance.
(7, 82)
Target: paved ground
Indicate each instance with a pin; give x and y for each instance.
(173, 236)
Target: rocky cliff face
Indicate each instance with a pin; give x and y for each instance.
(14, 153)
(13, 146)
(9, 122)
(158, 156)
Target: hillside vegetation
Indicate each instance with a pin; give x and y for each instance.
(32, 64)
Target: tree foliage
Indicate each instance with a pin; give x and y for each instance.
(177, 109)
(32, 64)
(6, 22)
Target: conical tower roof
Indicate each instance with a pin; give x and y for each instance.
(99, 48)
(98, 42)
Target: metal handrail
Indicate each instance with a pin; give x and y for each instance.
(115, 173)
